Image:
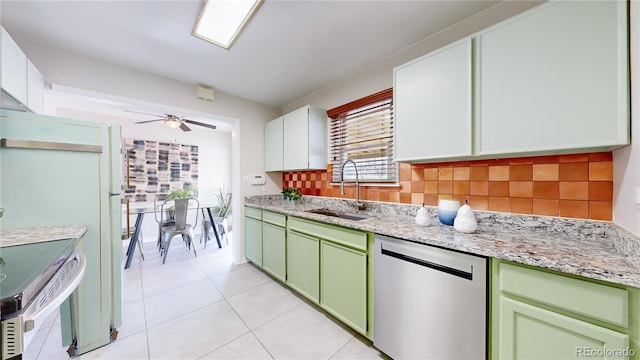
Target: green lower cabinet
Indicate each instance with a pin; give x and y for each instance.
(253, 240)
(530, 332)
(303, 264)
(274, 259)
(343, 284)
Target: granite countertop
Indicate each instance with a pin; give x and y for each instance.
(42, 234)
(593, 249)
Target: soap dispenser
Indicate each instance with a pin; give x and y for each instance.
(465, 221)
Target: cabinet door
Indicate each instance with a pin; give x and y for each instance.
(343, 285)
(554, 78)
(296, 139)
(253, 240)
(529, 332)
(432, 99)
(303, 265)
(273, 145)
(14, 68)
(274, 250)
(35, 89)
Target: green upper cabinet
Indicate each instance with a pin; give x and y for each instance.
(297, 141)
(273, 150)
(554, 79)
(432, 99)
(14, 68)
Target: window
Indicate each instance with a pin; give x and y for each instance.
(362, 131)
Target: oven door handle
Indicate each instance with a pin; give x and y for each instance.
(38, 310)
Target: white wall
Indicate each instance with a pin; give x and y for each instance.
(70, 69)
(626, 161)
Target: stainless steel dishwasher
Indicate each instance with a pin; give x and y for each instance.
(429, 303)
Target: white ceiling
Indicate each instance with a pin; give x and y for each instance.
(290, 49)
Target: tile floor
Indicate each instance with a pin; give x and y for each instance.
(224, 311)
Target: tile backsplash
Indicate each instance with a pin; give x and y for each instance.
(574, 186)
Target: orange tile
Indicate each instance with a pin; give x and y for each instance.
(431, 174)
(405, 198)
(551, 159)
(574, 190)
(417, 173)
(479, 173)
(394, 196)
(480, 163)
(546, 207)
(600, 210)
(404, 173)
(520, 161)
(417, 198)
(317, 184)
(445, 187)
(521, 172)
(479, 188)
(601, 156)
(573, 158)
(498, 162)
(405, 186)
(445, 174)
(522, 205)
(314, 176)
(329, 168)
(324, 176)
(501, 204)
(601, 171)
(601, 190)
(574, 171)
(307, 184)
(374, 195)
(417, 187)
(574, 209)
(431, 199)
(461, 173)
(479, 202)
(499, 173)
(384, 196)
(523, 189)
(498, 188)
(546, 172)
(461, 188)
(294, 176)
(546, 190)
(431, 187)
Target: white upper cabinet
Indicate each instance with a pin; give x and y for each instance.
(432, 99)
(35, 89)
(297, 141)
(273, 145)
(14, 69)
(554, 79)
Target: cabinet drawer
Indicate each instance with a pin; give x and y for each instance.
(253, 213)
(274, 218)
(353, 238)
(582, 297)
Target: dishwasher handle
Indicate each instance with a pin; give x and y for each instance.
(468, 275)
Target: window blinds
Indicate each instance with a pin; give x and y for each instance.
(364, 135)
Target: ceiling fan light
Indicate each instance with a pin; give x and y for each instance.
(172, 123)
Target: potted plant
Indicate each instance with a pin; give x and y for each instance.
(290, 196)
(179, 195)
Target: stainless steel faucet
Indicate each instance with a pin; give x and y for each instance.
(359, 205)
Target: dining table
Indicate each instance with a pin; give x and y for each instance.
(140, 209)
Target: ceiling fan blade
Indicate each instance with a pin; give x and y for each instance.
(184, 127)
(148, 121)
(144, 113)
(199, 123)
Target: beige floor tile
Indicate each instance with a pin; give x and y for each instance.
(302, 333)
(179, 300)
(52, 348)
(246, 347)
(133, 319)
(133, 347)
(32, 351)
(235, 282)
(131, 289)
(359, 348)
(195, 334)
(263, 303)
(156, 282)
(219, 266)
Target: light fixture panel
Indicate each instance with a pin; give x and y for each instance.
(221, 21)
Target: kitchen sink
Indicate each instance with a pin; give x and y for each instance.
(342, 215)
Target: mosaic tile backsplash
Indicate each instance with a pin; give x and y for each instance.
(572, 186)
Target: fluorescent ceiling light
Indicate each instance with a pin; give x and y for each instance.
(221, 21)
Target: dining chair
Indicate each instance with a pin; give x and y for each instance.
(179, 226)
(218, 222)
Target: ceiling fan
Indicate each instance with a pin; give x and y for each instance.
(173, 121)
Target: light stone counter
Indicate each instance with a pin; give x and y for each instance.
(594, 249)
(43, 234)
